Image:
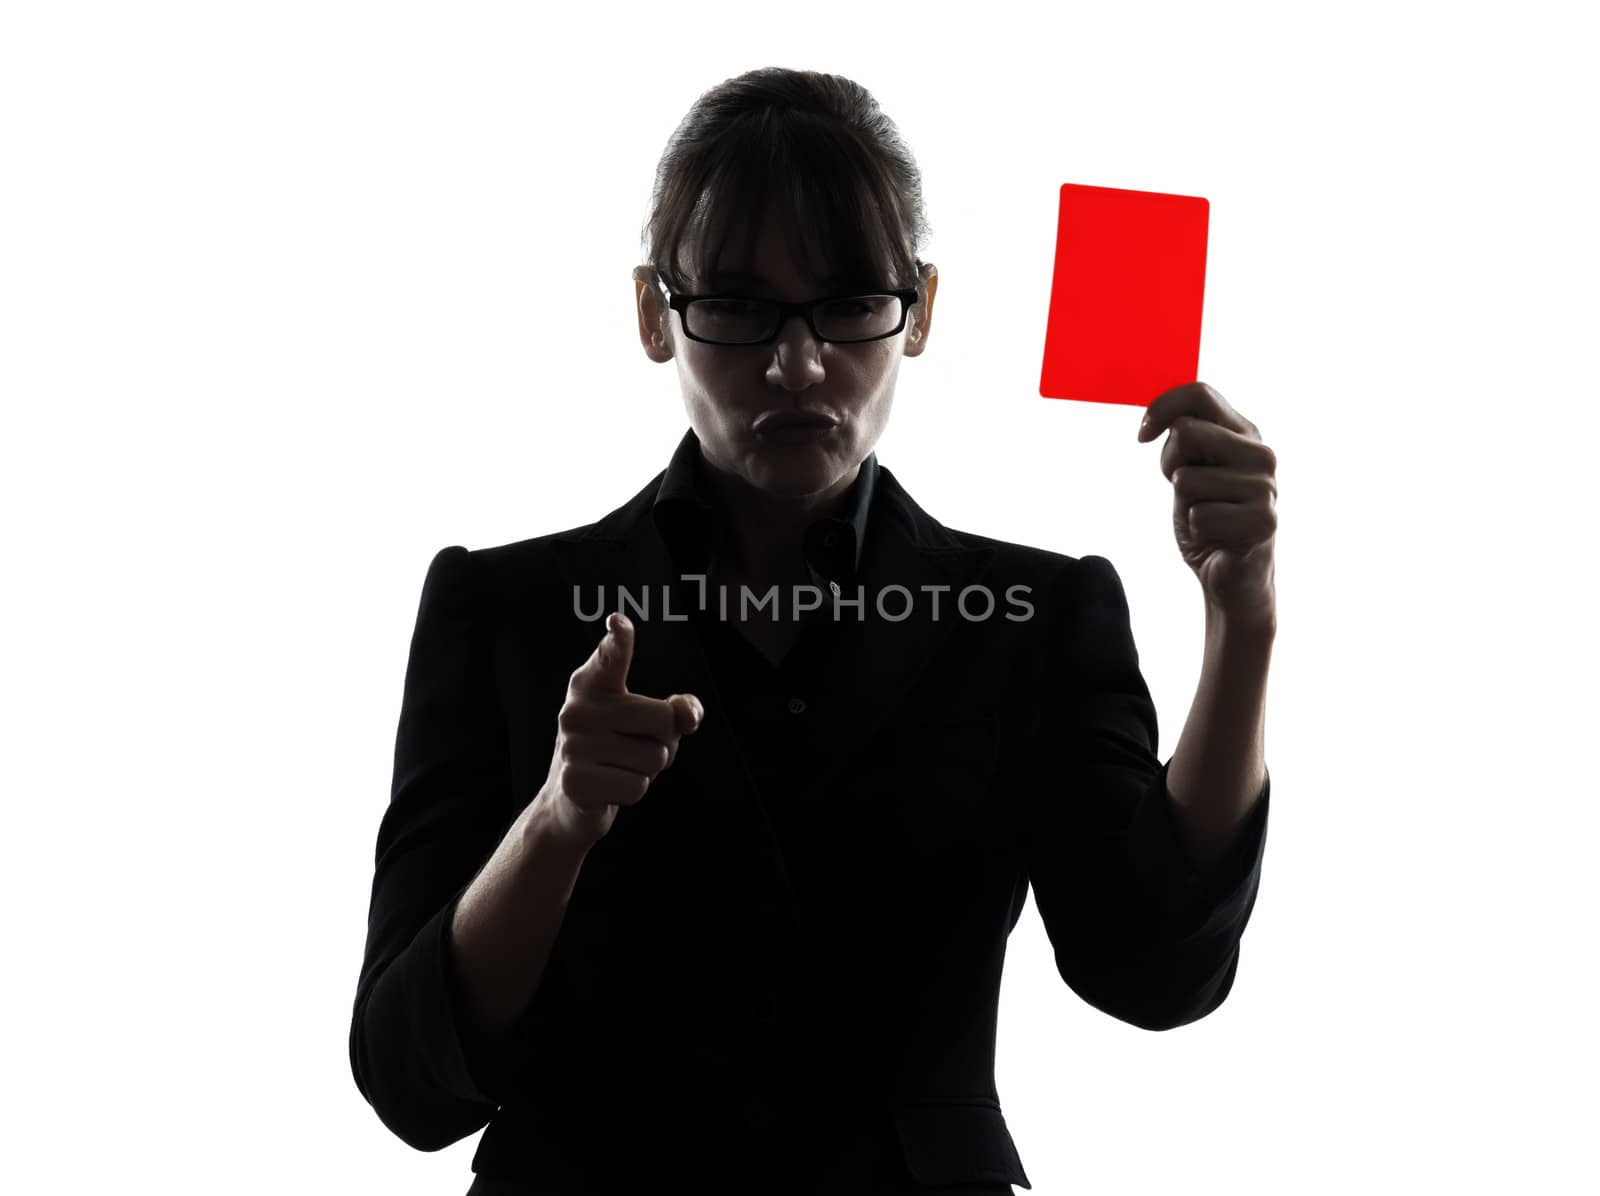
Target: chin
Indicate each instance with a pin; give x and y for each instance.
(795, 471)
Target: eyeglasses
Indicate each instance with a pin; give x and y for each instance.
(738, 320)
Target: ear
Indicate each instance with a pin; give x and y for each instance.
(921, 321)
(655, 319)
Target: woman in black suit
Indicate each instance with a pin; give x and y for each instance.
(716, 896)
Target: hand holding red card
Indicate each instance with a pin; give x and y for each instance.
(1224, 501)
(1130, 275)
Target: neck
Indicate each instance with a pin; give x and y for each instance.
(769, 530)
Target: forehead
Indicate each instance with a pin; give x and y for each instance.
(766, 249)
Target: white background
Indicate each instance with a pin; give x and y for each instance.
(293, 295)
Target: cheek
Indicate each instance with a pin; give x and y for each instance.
(864, 375)
(874, 380)
(713, 373)
(705, 382)
(876, 419)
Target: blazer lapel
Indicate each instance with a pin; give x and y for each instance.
(905, 548)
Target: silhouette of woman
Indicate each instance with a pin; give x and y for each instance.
(715, 897)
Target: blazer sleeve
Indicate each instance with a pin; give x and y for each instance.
(414, 1057)
(1138, 931)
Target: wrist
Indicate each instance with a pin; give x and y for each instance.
(1244, 628)
(546, 830)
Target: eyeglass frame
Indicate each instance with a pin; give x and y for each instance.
(678, 303)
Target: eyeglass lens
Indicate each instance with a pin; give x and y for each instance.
(741, 321)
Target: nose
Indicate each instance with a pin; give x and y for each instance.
(796, 362)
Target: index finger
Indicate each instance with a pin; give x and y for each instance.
(636, 714)
(1192, 398)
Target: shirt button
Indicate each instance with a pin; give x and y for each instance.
(834, 586)
(758, 1114)
(831, 540)
(797, 705)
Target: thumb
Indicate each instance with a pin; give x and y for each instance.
(606, 670)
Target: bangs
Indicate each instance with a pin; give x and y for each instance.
(838, 213)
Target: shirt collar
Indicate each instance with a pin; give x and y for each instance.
(691, 521)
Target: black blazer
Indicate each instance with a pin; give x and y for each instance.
(694, 1018)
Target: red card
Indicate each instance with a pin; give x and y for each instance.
(1130, 279)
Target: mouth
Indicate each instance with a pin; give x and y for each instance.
(774, 421)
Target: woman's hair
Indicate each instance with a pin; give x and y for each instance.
(841, 171)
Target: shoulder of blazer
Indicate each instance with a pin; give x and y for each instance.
(931, 535)
(1057, 581)
(1028, 564)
